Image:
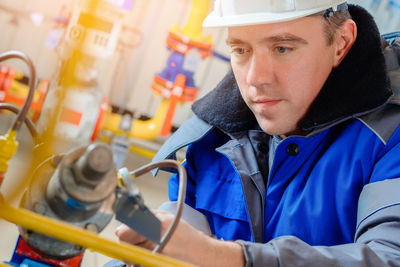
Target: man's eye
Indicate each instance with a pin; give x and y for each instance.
(238, 50)
(283, 49)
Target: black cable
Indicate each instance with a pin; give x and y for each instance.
(32, 82)
(168, 163)
(28, 121)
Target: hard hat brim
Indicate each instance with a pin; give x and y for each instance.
(213, 20)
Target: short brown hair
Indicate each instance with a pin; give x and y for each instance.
(331, 24)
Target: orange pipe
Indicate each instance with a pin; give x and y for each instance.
(177, 92)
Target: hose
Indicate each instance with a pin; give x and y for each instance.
(28, 121)
(32, 82)
(168, 163)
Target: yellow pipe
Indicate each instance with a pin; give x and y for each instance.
(142, 151)
(111, 122)
(198, 13)
(193, 27)
(146, 130)
(72, 234)
(150, 129)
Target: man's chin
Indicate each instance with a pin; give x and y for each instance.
(273, 130)
(276, 129)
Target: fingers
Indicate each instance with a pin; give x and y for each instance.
(186, 243)
(165, 217)
(162, 214)
(128, 235)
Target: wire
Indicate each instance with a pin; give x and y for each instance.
(28, 121)
(168, 163)
(32, 82)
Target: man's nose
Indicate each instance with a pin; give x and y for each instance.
(260, 71)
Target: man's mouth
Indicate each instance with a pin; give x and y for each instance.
(266, 103)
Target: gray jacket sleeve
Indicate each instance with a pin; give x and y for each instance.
(377, 238)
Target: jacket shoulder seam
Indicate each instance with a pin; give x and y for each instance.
(382, 122)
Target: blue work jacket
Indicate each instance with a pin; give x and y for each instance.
(311, 192)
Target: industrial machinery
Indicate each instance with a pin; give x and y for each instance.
(71, 193)
(78, 188)
(91, 38)
(175, 83)
(69, 197)
(81, 188)
(13, 90)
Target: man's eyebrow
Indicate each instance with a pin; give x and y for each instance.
(231, 41)
(281, 38)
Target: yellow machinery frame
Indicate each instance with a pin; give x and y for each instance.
(84, 238)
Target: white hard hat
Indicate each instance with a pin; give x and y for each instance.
(229, 13)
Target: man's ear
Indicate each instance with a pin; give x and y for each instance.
(345, 37)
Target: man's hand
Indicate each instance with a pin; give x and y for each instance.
(188, 244)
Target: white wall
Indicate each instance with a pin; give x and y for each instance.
(129, 73)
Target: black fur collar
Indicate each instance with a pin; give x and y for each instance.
(358, 86)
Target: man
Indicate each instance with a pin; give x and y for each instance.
(294, 158)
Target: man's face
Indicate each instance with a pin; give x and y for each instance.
(280, 69)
